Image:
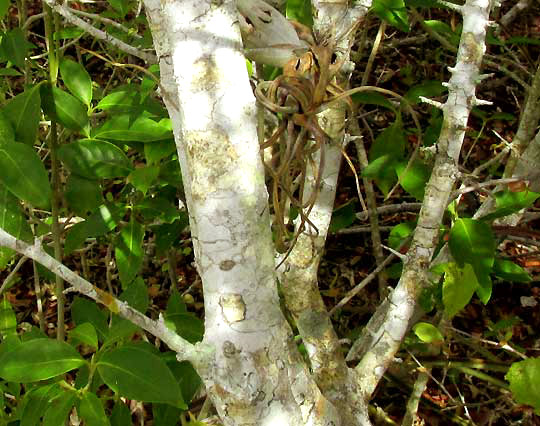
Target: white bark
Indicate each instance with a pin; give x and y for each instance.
(256, 376)
(387, 337)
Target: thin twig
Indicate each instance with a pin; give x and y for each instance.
(12, 274)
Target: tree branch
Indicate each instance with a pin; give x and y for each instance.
(197, 354)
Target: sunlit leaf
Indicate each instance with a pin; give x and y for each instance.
(39, 359)
(524, 377)
(77, 80)
(428, 333)
(129, 251)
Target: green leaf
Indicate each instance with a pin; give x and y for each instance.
(125, 100)
(85, 333)
(428, 333)
(187, 378)
(39, 359)
(166, 415)
(4, 6)
(14, 47)
(24, 174)
(64, 108)
(175, 304)
(68, 33)
(157, 207)
(121, 416)
(399, 233)
(143, 129)
(186, 325)
(390, 146)
(444, 30)
(393, 12)
(7, 134)
(143, 178)
(471, 241)
(58, 409)
(85, 311)
(83, 195)
(9, 72)
(136, 296)
(524, 377)
(414, 178)
(300, 10)
(13, 221)
(342, 217)
(138, 374)
(459, 285)
(77, 80)
(428, 89)
(129, 251)
(509, 202)
(35, 403)
(8, 321)
(373, 98)
(91, 410)
(509, 271)
(95, 159)
(24, 111)
(158, 150)
(100, 222)
(168, 233)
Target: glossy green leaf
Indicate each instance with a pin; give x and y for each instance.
(428, 333)
(121, 6)
(524, 377)
(83, 195)
(91, 410)
(414, 178)
(138, 374)
(39, 359)
(471, 241)
(77, 80)
(14, 47)
(122, 100)
(508, 202)
(24, 174)
(129, 251)
(84, 311)
(393, 12)
(143, 178)
(300, 11)
(84, 333)
(95, 159)
(66, 109)
(158, 208)
(143, 129)
(13, 221)
(58, 409)
(342, 217)
(121, 416)
(8, 321)
(428, 89)
(9, 72)
(509, 271)
(100, 222)
(7, 134)
(24, 112)
(459, 285)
